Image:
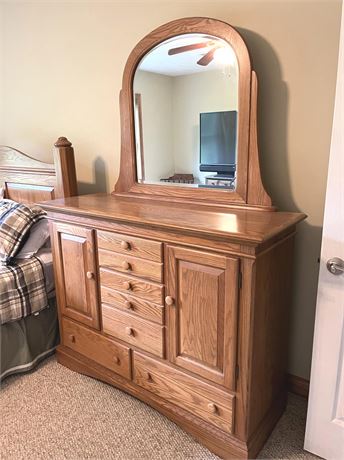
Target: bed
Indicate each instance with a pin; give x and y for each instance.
(27, 339)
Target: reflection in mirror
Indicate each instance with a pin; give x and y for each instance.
(185, 113)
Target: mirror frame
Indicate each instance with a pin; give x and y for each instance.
(249, 190)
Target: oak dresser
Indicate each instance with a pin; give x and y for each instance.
(178, 294)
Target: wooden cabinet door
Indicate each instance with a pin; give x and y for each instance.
(202, 290)
(75, 273)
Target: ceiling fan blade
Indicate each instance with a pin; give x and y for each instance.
(208, 57)
(183, 49)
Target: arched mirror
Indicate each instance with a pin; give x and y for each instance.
(186, 109)
(188, 117)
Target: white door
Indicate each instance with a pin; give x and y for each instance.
(325, 419)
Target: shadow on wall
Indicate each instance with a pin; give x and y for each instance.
(305, 284)
(100, 179)
(273, 104)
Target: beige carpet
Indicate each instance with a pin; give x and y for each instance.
(54, 413)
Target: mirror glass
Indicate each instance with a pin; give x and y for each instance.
(185, 112)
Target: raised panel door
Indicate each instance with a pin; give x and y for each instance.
(75, 273)
(202, 290)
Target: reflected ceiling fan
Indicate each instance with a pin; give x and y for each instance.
(206, 59)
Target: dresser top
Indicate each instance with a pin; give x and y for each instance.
(249, 225)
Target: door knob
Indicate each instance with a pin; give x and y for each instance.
(335, 266)
(125, 245)
(90, 275)
(127, 285)
(213, 408)
(169, 300)
(126, 265)
(149, 377)
(129, 331)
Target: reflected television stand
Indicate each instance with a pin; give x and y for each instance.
(220, 180)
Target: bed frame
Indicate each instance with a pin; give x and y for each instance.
(27, 180)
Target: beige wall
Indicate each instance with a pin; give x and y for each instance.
(157, 119)
(170, 117)
(192, 95)
(64, 63)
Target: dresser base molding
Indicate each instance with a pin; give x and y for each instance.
(217, 441)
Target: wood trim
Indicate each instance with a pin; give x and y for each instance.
(181, 193)
(214, 245)
(244, 345)
(256, 190)
(238, 226)
(298, 385)
(138, 102)
(127, 182)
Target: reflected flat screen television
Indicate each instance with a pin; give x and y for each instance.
(218, 132)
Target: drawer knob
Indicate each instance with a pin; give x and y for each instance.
(149, 377)
(129, 331)
(169, 300)
(127, 285)
(90, 275)
(72, 338)
(126, 265)
(125, 245)
(213, 408)
(117, 360)
(128, 305)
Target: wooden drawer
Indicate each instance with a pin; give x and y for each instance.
(139, 332)
(131, 265)
(140, 288)
(133, 304)
(201, 399)
(104, 351)
(138, 247)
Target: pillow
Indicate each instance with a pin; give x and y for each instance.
(16, 221)
(38, 236)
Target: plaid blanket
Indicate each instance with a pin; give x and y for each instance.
(22, 289)
(16, 220)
